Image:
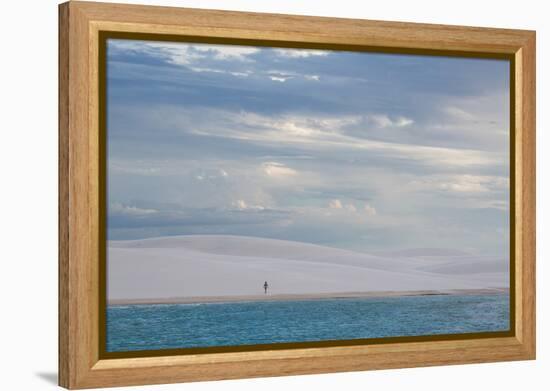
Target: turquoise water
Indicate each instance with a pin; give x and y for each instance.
(169, 326)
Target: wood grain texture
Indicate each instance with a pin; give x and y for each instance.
(63, 178)
(292, 28)
(77, 304)
(79, 201)
(527, 188)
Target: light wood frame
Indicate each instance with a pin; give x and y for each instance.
(80, 166)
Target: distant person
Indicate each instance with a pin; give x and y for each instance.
(265, 288)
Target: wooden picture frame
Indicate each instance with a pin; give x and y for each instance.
(81, 163)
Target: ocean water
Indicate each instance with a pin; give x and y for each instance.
(169, 326)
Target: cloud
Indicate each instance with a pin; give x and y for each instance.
(328, 133)
(312, 77)
(240, 74)
(458, 113)
(466, 183)
(220, 71)
(118, 208)
(301, 53)
(351, 208)
(286, 144)
(335, 204)
(243, 205)
(185, 54)
(279, 78)
(278, 170)
(284, 75)
(402, 121)
(132, 168)
(495, 204)
(384, 121)
(228, 52)
(212, 175)
(370, 210)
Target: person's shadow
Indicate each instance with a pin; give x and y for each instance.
(49, 377)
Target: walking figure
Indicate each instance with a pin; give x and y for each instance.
(265, 288)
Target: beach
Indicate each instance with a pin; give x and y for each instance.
(309, 296)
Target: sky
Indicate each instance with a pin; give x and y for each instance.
(355, 150)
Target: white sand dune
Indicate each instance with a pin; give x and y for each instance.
(222, 265)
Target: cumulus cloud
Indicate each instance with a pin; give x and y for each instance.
(335, 204)
(351, 208)
(241, 204)
(370, 210)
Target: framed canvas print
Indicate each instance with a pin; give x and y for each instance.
(247, 195)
